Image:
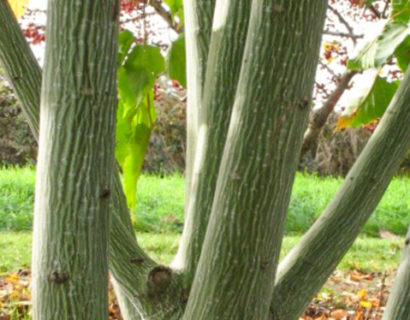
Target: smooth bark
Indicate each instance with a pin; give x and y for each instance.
(236, 271)
(75, 162)
(305, 269)
(230, 27)
(398, 305)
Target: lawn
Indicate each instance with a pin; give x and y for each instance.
(160, 202)
(369, 266)
(366, 255)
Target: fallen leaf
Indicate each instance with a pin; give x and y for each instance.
(338, 314)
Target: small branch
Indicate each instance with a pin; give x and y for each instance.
(324, 65)
(346, 24)
(354, 37)
(165, 14)
(375, 11)
(320, 116)
(384, 13)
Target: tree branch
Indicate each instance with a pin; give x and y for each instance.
(224, 64)
(319, 116)
(398, 304)
(314, 258)
(347, 25)
(165, 14)
(198, 26)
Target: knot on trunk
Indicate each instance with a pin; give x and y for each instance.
(159, 279)
(59, 277)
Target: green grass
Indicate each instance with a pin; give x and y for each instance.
(367, 254)
(160, 203)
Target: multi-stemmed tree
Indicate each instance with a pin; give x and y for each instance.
(251, 67)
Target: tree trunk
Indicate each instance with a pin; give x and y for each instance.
(198, 22)
(236, 270)
(224, 63)
(306, 268)
(125, 256)
(398, 305)
(75, 162)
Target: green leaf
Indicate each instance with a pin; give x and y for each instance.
(125, 41)
(400, 10)
(370, 104)
(139, 69)
(174, 5)
(375, 53)
(402, 54)
(176, 61)
(133, 134)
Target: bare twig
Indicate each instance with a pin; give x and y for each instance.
(342, 34)
(336, 76)
(375, 11)
(384, 13)
(346, 24)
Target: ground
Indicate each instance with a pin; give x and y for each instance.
(357, 290)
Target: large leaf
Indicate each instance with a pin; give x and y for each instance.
(400, 10)
(368, 105)
(133, 133)
(18, 7)
(176, 61)
(375, 53)
(137, 73)
(125, 41)
(402, 54)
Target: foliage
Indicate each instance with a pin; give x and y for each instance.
(139, 65)
(393, 41)
(176, 7)
(369, 104)
(138, 68)
(176, 60)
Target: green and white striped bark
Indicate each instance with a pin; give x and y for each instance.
(398, 305)
(75, 161)
(126, 272)
(230, 27)
(198, 22)
(236, 270)
(306, 268)
(20, 66)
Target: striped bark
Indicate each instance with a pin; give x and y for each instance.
(75, 162)
(24, 73)
(236, 270)
(198, 22)
(230, 27)
(398, 305)
(306, 268)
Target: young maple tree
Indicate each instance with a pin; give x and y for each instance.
(251, 67)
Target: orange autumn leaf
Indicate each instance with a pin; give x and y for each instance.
(18, 7)
(338, 314)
